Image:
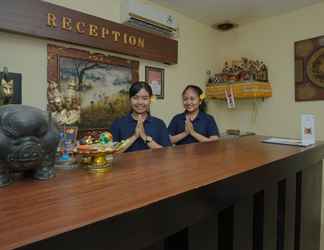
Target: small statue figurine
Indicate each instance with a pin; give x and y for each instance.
(226, 68)
(219, 78)
(210, 80)
(6, 87)
(65, 109)
(28, 142)
(244, 76)
(71, 94)
(72, 103)
(244, 70)
(52, 93)
(262, 74)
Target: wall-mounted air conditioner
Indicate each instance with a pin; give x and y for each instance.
(148, 18)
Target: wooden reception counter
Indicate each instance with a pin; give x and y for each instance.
(229, 194)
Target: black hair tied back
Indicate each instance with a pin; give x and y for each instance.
(137, 86)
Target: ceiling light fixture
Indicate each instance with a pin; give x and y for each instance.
(225, 26)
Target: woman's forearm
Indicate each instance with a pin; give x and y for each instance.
(129, 143)
(202, 138)
(178, 137)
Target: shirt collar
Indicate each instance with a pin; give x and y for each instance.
(198, 117)
(130, 118)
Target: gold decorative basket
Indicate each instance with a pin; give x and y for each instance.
(96, 162)
(240, 90)
(97, 158)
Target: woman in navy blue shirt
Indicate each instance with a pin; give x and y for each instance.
(142, 130)
(193, 125)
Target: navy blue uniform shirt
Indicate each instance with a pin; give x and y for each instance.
(203, 124)
(124, 128)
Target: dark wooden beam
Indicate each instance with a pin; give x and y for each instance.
(45, 20)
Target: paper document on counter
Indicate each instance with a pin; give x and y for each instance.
(285, 141)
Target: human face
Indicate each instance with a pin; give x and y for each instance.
(191, 101)
(140, 103)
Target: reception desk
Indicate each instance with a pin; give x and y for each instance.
(230, 194)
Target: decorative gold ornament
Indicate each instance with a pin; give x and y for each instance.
(315, 68)
(153, 98)
(98, 158)
(202, 96)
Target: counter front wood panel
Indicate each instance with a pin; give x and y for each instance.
(191, 177)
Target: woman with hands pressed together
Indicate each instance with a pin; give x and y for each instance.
(139, 128)
(194, 124)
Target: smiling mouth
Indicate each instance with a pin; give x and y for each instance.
(140, 107)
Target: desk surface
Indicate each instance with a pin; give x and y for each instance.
(33, 210)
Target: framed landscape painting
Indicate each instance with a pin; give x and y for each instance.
(101, 82)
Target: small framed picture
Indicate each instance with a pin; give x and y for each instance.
(71, 133)
(10, 88)
(155, 78)
(68, 137)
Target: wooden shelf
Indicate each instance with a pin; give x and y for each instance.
(241, 90)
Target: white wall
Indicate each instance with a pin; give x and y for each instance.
(272, 40)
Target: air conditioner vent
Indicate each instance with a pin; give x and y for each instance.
(148, 18)
(149, 27)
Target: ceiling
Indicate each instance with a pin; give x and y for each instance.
(238, 11)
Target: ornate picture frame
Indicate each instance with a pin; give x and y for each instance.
(155, 78)
(92, 85)
(309, 69)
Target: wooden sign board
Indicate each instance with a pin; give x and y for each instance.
(46, 20)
